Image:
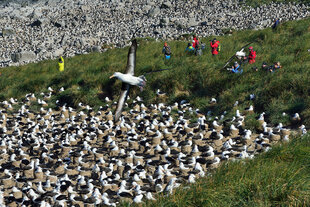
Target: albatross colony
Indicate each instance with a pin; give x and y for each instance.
(80, 156)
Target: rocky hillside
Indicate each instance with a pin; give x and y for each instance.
(37, 30)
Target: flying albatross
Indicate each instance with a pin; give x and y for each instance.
(128, 78)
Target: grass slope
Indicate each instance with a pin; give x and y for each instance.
(256, 3)
(279, 177)
(86, 77)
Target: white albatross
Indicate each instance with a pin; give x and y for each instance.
(128, 79)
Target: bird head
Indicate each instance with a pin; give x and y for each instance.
(112, 76)
(115, 75)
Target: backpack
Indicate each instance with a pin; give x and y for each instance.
(167, 50)
(219, 47)
(203, 46)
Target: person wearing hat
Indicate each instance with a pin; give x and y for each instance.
(236, 68)
(252, 55)
(189, 48)
(166, 51)
(61, 64)
(214, 46)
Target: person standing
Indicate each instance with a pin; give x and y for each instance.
(252, 55)
(61, 64)
(195, 42)
(214, 46)
(167, 51)
(276, 24)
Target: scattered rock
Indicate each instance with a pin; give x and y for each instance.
(25, 56)
(192, 22)
(58, 52)
(166, 5)
(154, 12)
(93, 49)
(8, 31)
(73, 24)
(181, 24)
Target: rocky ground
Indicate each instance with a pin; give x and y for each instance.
(38, 30)
(79, 157)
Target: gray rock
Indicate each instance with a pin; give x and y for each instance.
(232, 14)
(59, 24)
(253, 26)
(166, 4)
(37, 13)
(8, 31)
(164, 21)
(223, 19)
(93, 49)
(23, 56)
(154, 12)
(88, 18)
(151, 3)
(265, 23)
(146, 8)
(58, 52)
(192, 22)
(51, 3)
(85, 8)
(180, 24)
(16, 14)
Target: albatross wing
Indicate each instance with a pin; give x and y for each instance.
(121, 101)
(130, 69)
(131, 59)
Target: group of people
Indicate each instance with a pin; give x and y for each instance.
(236, 68)
(195, 47)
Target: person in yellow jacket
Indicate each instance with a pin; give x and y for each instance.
(61, 64)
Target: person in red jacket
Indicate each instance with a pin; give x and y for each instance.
(195, 42)
(252, 55)
(214, 46)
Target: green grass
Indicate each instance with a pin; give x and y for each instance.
(198, 79)
(280, 177)
(256, 3)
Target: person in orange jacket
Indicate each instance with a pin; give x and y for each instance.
(252, 55)
(214, 46)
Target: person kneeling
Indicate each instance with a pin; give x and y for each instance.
(276, 65)
(236, 68)
(190, 48)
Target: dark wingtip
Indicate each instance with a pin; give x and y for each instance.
(134, 42)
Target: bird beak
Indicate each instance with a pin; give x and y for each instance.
(112, 76)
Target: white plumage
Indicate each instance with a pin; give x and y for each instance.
(130, 79)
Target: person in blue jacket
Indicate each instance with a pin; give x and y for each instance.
(236, 68)
(190, 48)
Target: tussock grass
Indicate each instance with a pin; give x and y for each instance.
(198, 79)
